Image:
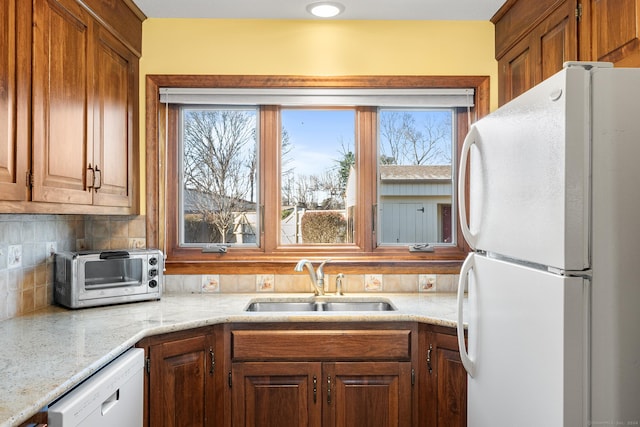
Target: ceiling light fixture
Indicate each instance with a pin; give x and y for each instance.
(325, 9)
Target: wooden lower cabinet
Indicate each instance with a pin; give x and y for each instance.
(314, 394)
(368, 394)
(368, 374)
(312, 375)
(442, 378)
(183, 383)
(274, 394)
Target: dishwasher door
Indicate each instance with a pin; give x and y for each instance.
(112, 397)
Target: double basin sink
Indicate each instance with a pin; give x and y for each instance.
(321, 305)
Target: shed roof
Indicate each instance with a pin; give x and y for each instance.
(414, 172)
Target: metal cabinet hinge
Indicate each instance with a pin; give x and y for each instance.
(579, 11)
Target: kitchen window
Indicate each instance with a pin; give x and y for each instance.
(313, 168)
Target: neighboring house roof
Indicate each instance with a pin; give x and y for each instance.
(414, 172)
(194, 200)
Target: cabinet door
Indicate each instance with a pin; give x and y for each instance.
(516, 71)
(15, 63)
(62, 106)
(442, 381)
(276, 394)
(541, 53)
(367, 394)
(615, 29)
(114, 112)
(181, 383)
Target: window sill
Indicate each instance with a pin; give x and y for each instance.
(389, 261)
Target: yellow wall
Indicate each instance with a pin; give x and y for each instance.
(311, 47)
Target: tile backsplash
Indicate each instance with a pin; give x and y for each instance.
(27, 243)
(261, 283)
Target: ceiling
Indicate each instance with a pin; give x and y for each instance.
(296, 9)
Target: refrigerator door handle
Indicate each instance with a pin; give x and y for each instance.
(469, 140)
(467, 266)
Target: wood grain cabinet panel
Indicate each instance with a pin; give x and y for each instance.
(181, 384)
(368, 394)
(540, 53)
(62, 101)
(15, 63)
(442, 379)
(274, 394)
(114, 120)
(535, 37)
(615, 31)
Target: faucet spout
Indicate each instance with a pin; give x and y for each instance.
(317, 278)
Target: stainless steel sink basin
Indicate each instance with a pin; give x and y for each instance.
(281, 306)
(330, 305)
(358, 306)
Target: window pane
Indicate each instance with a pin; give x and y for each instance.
(415, 185)
(317, 176)
(219, 176)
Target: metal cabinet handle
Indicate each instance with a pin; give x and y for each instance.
(328, 390)
(315, 389)
(429, 358)
(212, 355)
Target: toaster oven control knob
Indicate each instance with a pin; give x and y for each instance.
(153, 261)
(153, 283)
(153, 272)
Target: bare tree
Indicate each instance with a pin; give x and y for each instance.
(287, 176)
(405, 142)
(219, 163)
(306, 188)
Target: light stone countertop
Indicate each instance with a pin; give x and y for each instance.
(45, 354)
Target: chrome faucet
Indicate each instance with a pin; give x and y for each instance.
(317, 277)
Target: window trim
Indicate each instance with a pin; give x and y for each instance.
(269, 258)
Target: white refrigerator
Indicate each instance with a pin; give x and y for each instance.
(553, 308)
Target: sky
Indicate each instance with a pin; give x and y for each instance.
(316, 137)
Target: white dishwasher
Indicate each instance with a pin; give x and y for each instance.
(111, 397)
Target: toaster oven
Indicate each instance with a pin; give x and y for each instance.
(93, 278)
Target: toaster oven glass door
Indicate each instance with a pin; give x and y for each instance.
(112, 277)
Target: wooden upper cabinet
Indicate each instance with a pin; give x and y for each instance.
(614, 31)
(84, 88)
(535, 37)
(68, 96)
(540, 52)
(15, 42)
(116, 86)
(62, 101)
(516, 72)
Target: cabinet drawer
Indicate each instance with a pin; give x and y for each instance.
(347, 344)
